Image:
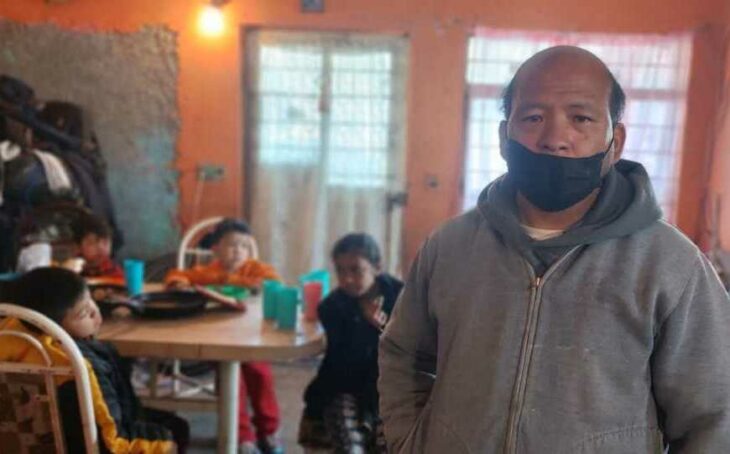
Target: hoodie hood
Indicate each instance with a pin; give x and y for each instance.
(625, 205)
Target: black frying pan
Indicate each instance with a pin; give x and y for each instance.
(167, 304)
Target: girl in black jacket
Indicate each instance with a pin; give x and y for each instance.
(341, 409)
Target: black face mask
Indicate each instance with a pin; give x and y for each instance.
(553, 183)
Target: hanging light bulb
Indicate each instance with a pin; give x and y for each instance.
(212, 22)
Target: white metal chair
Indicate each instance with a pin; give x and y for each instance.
(190, 254)
(30, 419)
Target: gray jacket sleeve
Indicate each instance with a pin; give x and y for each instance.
(407, 359)
(691, 366)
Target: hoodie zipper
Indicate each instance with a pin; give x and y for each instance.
(528, 343)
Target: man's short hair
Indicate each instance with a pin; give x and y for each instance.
(616, 101)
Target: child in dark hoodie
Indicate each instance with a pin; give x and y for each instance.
(341, 409)
(124, 425)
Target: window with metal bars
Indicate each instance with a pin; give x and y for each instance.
(652, 70)
(330, 100)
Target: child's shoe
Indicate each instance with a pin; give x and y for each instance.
(248, 447)
(270, 445)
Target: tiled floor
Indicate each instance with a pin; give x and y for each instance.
(291, 379)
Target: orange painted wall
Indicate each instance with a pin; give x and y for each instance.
(716, 225)
(703, 102)
(211, 103)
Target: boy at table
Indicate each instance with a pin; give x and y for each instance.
(124, 425)
(93, 239)
(233, 264)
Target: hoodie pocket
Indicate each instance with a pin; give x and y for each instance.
(432, 436)
(621, 441)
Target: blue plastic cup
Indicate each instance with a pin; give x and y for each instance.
(271, 288)
(286, 307)
(134, 276)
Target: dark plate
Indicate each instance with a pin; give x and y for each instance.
(160, 305)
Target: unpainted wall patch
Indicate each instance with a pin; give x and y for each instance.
(128, 83)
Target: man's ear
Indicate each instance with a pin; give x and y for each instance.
(619, 140)
(503, 139)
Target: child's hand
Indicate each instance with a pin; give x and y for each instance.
(177, 285)
(75, 264)
(218, 297)
(373, 312)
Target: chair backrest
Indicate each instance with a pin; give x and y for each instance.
(30, 419)
(189, 254)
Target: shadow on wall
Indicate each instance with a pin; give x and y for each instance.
(128, 83)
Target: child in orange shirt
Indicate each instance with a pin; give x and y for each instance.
(234, 265)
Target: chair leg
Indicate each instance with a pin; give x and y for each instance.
(195, 386)
(152, 383)
(175, 375)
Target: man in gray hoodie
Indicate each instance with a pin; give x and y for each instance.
(561, 315)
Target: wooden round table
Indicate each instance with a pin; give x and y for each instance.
(224, 336)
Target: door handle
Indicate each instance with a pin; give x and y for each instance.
(396, 199)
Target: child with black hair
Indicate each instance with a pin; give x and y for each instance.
(93, 238)
(234, 264)
(341, 403)
(124, 425)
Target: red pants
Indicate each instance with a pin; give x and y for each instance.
(257, 384)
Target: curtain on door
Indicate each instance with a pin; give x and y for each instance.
(326, 127)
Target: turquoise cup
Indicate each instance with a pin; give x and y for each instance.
(271, 289)
(287, 300)
(134, 276)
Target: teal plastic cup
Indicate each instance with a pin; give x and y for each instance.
(134, 276)
(286, 307)
(270, 291)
